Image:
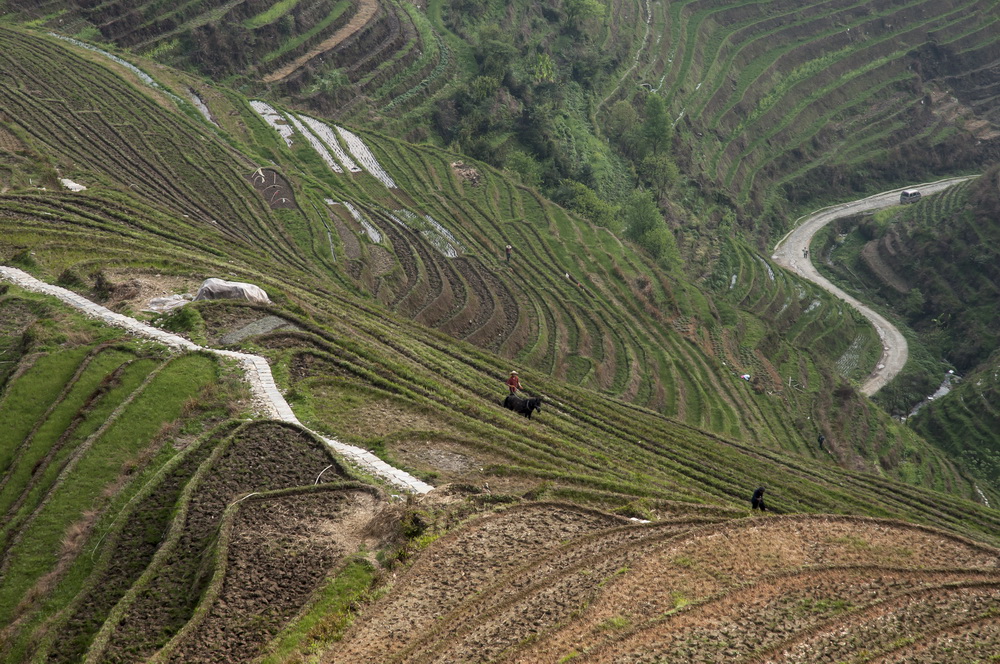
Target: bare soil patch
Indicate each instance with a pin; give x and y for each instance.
(380, 261)
(279, 553)
(133, 289)
(539, 583)
(352, 247)
(365, 12)
(456, 567)
(308, 365)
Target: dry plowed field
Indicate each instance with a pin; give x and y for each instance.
(550, 583)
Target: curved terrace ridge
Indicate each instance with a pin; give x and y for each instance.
(257, 370)
(790, 253)
(367, 10)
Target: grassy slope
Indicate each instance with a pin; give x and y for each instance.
(416, 395)
(601, 328)
(941, 250)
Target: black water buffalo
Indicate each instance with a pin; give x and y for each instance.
(523, 406)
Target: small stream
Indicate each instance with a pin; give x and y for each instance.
(943, 389)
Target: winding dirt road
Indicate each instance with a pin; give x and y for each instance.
(790, 254)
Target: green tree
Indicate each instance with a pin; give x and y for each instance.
(581, 198)
(913, 304)
(527, 169)
(494, 52)
(330, 82)
(656, 128)
(644, 225)
(622, 128)
(544, 69)
(482, 88)
(659, 171)
(579, 12)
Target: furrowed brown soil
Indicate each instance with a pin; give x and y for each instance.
(131, 552)
(280, 551)
(263, 456)
(740, 625)
(975, 642)
(366, 11)
(493, 558)
(512, 587)
(457, 566)
(888, 625)
(714, 563)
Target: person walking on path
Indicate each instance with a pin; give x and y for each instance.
(508, 249)
(821, 440)
(514, 383)
(757, 501)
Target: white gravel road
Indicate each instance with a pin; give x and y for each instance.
(789, 253)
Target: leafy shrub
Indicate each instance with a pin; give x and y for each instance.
(70, 279)
(581, 198)
(184, 320)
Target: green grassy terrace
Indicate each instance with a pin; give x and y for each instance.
(134, 480)
(616, 325)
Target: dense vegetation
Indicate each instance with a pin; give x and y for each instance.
(758, 103)
(935, 265)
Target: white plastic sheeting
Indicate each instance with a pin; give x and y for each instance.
(365, 156)
(219, 289)
(275, 119)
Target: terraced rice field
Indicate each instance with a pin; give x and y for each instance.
(601, 327)
(786, 589)
(795, 94)
(123, 476)
(148, 520)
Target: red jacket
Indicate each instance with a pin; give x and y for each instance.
(514, 383)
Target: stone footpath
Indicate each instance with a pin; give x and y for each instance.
(258, 374)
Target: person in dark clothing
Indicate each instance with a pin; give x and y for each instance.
(757, 501)
(821, 440)
(508, 249)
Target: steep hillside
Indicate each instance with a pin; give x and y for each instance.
(152, 515)
(936, 261)
(934, 265)
(427, 245)
(761, 101)
(794, 589)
